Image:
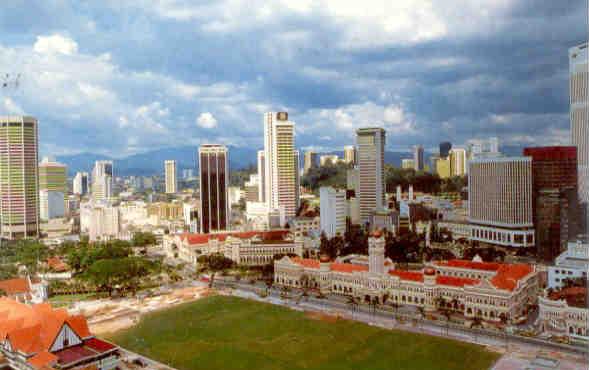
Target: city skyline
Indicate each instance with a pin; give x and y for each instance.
(160, 99)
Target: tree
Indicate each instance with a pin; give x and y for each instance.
(123, 273)
(143, 239)
(215, 263)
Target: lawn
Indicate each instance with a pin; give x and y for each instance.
(232, 333)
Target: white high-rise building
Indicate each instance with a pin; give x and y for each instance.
(261, 176)
(280, 169)
(350, 154)
(500, 201)
(458, 161)
(333, 211)
(371, 187)
(579, 100)
(102, 180)
(170, 176)
(100, 221)
(51, 204)
(80, 183)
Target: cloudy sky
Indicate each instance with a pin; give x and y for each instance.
(119, 77)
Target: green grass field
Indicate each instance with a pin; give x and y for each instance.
(232, 333)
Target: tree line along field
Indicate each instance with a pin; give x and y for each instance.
(229, 333)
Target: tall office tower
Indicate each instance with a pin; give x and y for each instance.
(333, 211)
(350, 154)
(170, 175)
(554, 173)
(102, 180)
(418, 158)
(261, 176)
(310, 161)
(458, 163)
(500, 208)
(280, 167)
(19, 181)
(370, 143)
(579, 100)
(80, 184)
(214, 198)
(52, 175)
(297, 161)
(445, 149)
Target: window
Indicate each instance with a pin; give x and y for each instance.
(66, 342)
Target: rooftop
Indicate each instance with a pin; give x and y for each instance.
(268, 236)
(574, 296)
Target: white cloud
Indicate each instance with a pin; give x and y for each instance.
(55, 43)
(11, 107)
(206, 120)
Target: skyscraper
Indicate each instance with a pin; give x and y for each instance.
(171, 177)
(310, 161)
(80, 184)
(52, 175)
(19, 181)
(458, 160)
(500, 201)
(579, 100)
(333, 211)
(350, 154)
(214, 176)
(370, 143)
(280, 168)
(554, 171)
(102, 180)
(418, 158)
(262, 176)
(445, 149)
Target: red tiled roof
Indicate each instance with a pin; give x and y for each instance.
(99, 345)
(15, 286)
(574, 296)
(264, 235)
(407, 275)
(509, 274)
(347, 267)
(455, 281)
(43, 359)
(56, 264)
(465, 264)
(306, 262)
(73, 354)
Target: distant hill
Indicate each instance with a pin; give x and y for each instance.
(152, 162)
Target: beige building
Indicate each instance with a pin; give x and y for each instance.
(252, 248)
(171, 176)
(565, 313)
(100, 221)
(330, 159)
(350, 154)
(370, 143)
(458, 158)
(500, 201)
(407, 164)
(493, 292)
(304, 226)
(171, 211)
(310, 160)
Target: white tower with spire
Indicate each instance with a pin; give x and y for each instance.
(376, 250)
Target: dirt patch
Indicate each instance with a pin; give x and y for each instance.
(322, 317)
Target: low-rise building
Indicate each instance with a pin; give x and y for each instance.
(251, 248)
(565, 313)
(24, 290)
(571, 264)
(493, 292)
(40, 337)
(304, 226)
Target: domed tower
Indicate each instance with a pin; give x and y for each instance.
(429, 288)
(376, 245)
(324, 269)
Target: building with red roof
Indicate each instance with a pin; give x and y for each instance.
(24, 290)
(492, 291)
(40, 337)
(565, 312)
(252, 248)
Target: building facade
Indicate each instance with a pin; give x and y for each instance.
(52, 175)
(458, 161)
(51, 204)
(579, 100)
(371, 193)
(500, 201)
(80, 183)
(492, 292)
(214, 177)
(171, 177)
(310, 161)
(350, 154)
(19, 180)
(418, 158)
(573, 263)
(328, 159)
(333, 211)
(102, 175)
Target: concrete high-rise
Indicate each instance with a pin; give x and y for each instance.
(333, 211)
(52, 175)
(280, 167)
(102, 180)
(370, 144)
(214, 179)
(262, 176)
(418, 158)
(19, 178)
(310, 161)
(80, 184)
(554, 171)
(171, 177)
(579, 111)
(350, 154)
(500, 201)
(458, 161)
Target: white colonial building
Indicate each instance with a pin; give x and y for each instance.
(565, 313)
(493, 292)
(252, 248)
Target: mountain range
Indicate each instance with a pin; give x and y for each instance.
(152, 162)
